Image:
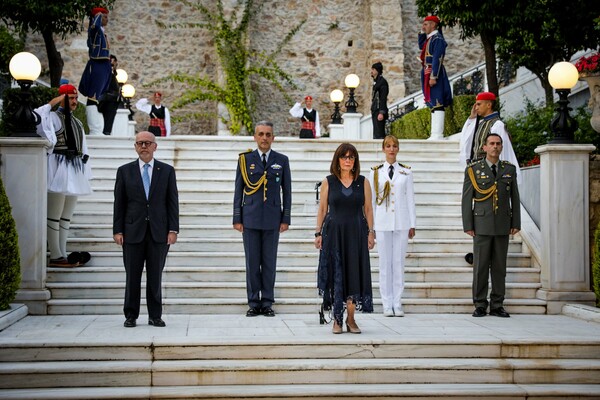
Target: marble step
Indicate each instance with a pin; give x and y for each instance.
(283, 290)
(299, 371)
(458, 391)
(285, 244)
(103, 306)
(284, 274)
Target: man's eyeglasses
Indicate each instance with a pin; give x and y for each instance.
(350, 158)
(144, 143)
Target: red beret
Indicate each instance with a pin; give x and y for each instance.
(158, 94)
(432, 18)
(308, 98)
(67, 89)
(97, 10)
(486, 96)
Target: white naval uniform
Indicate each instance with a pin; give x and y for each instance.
(392, 221)
(466, 142)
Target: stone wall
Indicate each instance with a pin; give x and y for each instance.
(339, 37)
(594, 195)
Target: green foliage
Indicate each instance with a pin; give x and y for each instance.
(9, 46)
(596, 264)
(531, 128)
(417, 124)
(10, 260)
(239, 62)
(39, 95)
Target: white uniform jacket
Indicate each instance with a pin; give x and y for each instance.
(397, 212)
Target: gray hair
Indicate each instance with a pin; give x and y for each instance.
(264, 123)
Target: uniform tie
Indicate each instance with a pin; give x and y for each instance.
(494, 169)
(264, 159)
(391, 173)
(146, 179)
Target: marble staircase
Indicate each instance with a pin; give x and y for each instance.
(205, 269)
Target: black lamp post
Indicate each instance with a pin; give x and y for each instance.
(336, 97)
(352, 81)
(121, 80)
(562, 77)
(128, 91)
(25, 68)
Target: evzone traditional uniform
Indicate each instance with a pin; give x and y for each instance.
(394, 215)
(69, 176)
(160, 118)
(311, 127)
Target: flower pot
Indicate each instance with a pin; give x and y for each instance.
(593, 81)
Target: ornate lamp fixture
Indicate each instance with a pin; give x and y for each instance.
(352, 81)
(336, 97)
(128, 91)
(25, 68)
(562, 77)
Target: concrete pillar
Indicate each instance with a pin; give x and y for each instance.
(24, 173)
(351, 126)
(564, 225)
(336, 131)
(121, 126)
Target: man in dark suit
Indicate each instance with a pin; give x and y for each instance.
(145, 223)
(379, 108)
(491, 210)
(261, 211)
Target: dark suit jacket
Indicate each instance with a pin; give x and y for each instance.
(380, 94)
(251, 210)
(479, 215)
(133, 213)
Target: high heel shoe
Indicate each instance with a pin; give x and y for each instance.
(336, 328)
(352, 327)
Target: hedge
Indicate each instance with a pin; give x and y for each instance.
(10, 260)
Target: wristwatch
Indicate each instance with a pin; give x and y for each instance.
(317, 234)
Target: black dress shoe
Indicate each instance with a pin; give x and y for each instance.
(253, 312)
(499, 312)
(129, 323)
(267, 312)
(469, 258)
(156, 322)
(479, 312)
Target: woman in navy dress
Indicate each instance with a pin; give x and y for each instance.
(344, 234)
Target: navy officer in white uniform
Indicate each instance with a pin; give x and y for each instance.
(261, 211)
(395, 223)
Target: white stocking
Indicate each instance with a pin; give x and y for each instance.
(65, 222)
(56, 202)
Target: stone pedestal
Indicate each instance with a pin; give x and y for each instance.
(564, 225)
(122, 125)
(336, 131)
(24, 173)
(351, 126)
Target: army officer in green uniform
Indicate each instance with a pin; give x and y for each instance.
(491, 211)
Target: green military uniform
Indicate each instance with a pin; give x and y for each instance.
(490, 207)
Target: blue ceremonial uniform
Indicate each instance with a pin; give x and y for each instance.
(98, 71)
(433, 51)
(262, 202)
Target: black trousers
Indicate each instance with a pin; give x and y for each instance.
(378, 126)
(153, 255)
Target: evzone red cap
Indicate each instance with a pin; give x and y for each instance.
(486, 96)
(67, 89)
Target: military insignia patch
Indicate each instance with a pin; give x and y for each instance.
(252, 166)
(276, 166)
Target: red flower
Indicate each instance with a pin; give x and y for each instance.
(588, 65)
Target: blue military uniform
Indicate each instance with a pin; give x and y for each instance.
(433, 50)
(262, 202)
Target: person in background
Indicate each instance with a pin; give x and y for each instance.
(344, 234)
(311, 128)
(160, 119)
(262, 206)
(434, 79)
(68, 172)
(379, 108)
(394, 222)
(97, 73)
(109, 102)
(146, 224)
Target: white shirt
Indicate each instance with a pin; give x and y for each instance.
(297, 111)
(141, 164)
(145, 106)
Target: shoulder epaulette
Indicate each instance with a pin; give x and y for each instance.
(505, 162)
(377, 167)
(246, 152)
(473, 163)
(404, 165)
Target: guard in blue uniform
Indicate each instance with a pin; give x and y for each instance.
(261, 211)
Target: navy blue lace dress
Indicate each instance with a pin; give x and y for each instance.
(344, 264)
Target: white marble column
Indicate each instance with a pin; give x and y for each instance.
(564, 225)
(351, 126)
(336, 131)
(121, 126)
(23, 171)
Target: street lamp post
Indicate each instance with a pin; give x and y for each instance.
(121, 80)
(128, 91)
(352, 81)
(336, 97)
(25, 68)
(562, 77)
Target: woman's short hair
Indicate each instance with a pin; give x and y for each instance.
(342, 150)
(390, 138)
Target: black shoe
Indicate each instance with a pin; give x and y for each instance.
(499, 312)
(253, 312)
(479, 312)
(267, 312)
(469, 258)
(156, 322)
(129, 323)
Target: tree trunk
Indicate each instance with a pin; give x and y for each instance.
(489, 47)
(55, 61)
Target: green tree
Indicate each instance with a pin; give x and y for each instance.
(49, 18)
(239, 62)
(486, 19)
(10, 261)
(9, 46)
(550, 31)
